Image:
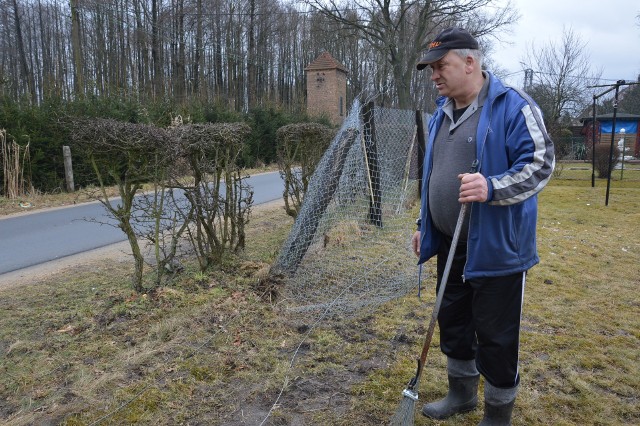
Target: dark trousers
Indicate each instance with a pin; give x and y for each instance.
(480, 319)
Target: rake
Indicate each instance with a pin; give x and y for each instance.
(405, 414)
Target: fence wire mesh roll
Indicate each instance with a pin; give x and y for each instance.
(349, 248)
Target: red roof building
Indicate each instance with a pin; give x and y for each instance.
(326, 88)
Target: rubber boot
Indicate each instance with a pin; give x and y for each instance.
(498, 405)
(463, 391)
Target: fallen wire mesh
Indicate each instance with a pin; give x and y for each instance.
(358, 212)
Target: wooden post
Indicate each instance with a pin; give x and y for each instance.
(371, 158)
(68, 168)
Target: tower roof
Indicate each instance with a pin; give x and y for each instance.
(325, 62)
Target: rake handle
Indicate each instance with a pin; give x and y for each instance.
(443, 284)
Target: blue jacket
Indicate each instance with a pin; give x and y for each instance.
(516, 156)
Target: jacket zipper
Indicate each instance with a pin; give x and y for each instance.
(480, 158)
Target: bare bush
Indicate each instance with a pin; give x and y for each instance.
(299, 148)
(197, 189)
(15, 159)
(220, 200)
(128, 155)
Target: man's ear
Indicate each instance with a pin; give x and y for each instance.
(469, 64)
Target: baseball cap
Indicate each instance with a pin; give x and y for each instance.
(450, 38)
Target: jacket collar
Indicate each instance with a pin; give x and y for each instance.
(496, 88)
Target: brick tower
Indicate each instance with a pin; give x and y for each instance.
(327, 88)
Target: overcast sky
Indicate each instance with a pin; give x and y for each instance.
(610, 29)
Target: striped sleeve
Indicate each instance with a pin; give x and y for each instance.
(517, 187)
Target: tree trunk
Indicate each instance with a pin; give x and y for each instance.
(142, 52)
(199, 86)
(78, 67)
(24, 64)
(251, 57)
(48, 81)
(217, 59)
(178, 53)
(156, 52)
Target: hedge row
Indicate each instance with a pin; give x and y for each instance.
(43, 128)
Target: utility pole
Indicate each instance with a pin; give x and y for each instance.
(528, 79)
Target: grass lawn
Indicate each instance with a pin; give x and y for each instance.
(80, 348)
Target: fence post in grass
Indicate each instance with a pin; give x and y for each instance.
(373, 168)
(68, 168)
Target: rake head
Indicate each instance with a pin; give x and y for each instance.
(405, 414)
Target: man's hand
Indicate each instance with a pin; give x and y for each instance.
(473, 187)
(415, 243)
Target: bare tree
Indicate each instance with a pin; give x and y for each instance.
(199, 85)
(631, 101)
(156, 50)
(562, 73)
(400, 31)
(142, 49)
(251, 56)
(237, 53)
(78, 69)
(178, 51)
(26, 73)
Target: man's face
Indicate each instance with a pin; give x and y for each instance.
(451, 75)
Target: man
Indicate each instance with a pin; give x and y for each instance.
(477, 117)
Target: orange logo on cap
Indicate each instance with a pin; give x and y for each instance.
(434, 44)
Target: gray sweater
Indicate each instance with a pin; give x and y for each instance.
(453, 152)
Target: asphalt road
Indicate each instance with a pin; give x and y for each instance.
(35, 238)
